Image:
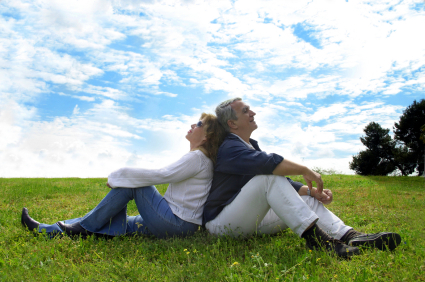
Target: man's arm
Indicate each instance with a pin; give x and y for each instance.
(287, 167)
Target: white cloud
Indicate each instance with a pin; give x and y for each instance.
(119, 54)
(88, 144)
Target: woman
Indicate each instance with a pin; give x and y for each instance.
(179, 212)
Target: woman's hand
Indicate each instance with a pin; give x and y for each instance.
(107, 184)
(325, 197)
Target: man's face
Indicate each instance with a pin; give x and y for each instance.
(245, 123)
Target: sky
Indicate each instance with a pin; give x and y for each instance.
(87, 87)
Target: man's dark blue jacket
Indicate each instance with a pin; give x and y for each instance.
(236, 165)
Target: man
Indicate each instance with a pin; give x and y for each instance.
(251, 194)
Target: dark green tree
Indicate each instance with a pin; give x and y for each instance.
(404, 160)
(408, 131)
(378, 158)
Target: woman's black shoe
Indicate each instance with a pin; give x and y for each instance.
(73, 229)
(27, 221)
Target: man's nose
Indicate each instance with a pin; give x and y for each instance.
(253, 113)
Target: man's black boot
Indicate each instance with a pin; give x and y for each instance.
(27, 221)
(73, 229)
(382, 241)
(317, 239)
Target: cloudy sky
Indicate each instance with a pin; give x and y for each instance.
(89, 86)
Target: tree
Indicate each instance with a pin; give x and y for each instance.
(408, 131)
(404, 160)
(378, 158)
(423, 140)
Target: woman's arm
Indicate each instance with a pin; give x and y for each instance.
(186, 167)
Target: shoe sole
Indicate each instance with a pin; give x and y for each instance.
(381, 241)
(354, 252)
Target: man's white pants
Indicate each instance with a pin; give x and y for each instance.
(268, 204)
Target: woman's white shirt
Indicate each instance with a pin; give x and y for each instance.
(190, 181)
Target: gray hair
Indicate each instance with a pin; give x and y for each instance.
(224, 112)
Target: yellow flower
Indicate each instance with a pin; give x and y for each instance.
(187, 253)
(184, 250)
(235, 263)
(310, 251)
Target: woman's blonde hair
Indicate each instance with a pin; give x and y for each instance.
(215, 134)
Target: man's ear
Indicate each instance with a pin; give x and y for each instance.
(232, 124)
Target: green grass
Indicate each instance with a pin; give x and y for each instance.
(369, 204)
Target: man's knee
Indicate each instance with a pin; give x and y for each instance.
(269, 178)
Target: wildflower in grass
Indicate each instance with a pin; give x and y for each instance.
(235, 264)
(187, 253)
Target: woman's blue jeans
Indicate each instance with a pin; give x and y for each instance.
(110, 216)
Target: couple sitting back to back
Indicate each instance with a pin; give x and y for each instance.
(227, 184)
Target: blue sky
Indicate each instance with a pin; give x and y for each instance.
(87, 87)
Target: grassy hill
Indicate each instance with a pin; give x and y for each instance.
(369, 204)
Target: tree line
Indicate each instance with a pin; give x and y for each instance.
(404, 153)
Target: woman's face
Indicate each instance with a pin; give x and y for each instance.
(196, 134)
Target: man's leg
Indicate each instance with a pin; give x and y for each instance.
(262, 193)
(335, 227)
(328, 221)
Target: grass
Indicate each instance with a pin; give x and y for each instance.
(369, 204)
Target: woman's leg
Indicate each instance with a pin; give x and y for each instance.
(157, 216)
(109, 216)
(53, 229)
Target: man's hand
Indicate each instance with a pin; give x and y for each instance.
(312, 176)
(287, 167)
(325, 197)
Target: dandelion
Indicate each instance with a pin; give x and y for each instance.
(184, 250)
(234, 264)
(187, 253)
(310, 251)
(318, 259)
